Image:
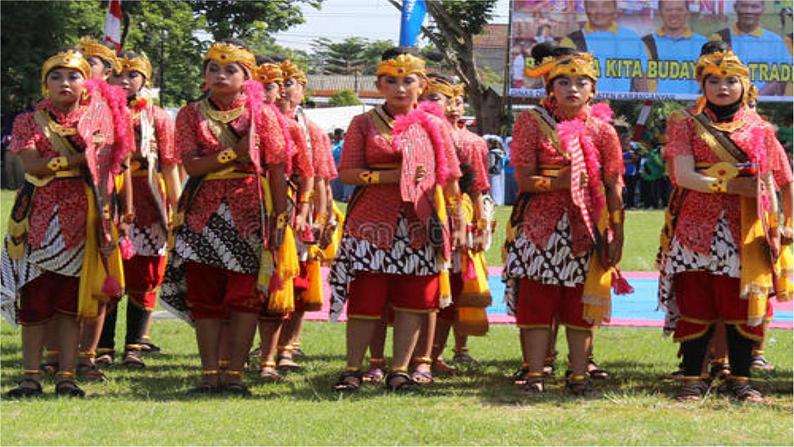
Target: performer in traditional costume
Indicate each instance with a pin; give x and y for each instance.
(156, 187)
(470, 294)
(230, 220)
(61, 256)
(314, 227)
(566, 230)
(397, 243)
(300, 175)
(720, 256)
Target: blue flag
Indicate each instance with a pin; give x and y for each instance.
(413, 14)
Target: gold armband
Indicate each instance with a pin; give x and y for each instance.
(543, 184)
(719, 185)
(58, 163)
(281, 220)
(305, 197)
(370, 177)
(616, 217)
(226, 156)
(452, 201)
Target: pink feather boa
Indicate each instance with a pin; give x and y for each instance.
(116, 99)
(427, 115)
(575, 128)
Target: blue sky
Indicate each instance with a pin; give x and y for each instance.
(370, 19)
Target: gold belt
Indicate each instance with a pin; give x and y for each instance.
(44, 181)
(725, 169)
(384, 166)
(228, 174)
(549, 170)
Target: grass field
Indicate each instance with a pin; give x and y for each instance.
(479, 407)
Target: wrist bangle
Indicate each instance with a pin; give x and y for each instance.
(616, 217)
(788, 222)
(57, 163)
(305, 197)
(321, 218)
(128, 218)
(281, 220)
(543, 184)
(370, 177)
(452, 201)
(226, 156)
(719, 186)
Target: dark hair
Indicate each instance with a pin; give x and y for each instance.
(262, 59)
(545, 49)
(443, 77)
(714, 46)
(338, 132)
(393, 52)
(129, 55)
(108, 65)
(277, 59)
(686, 3)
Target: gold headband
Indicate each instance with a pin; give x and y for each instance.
(570, 65)
(292, 71)
(439, 85)
(460, 89)
(723, 65)
(401, 66)
(67, 59)
(91, 48)
(224, 53)
(140, 64)
(268, 73)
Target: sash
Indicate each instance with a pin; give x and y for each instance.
(148, 151)
(548, 125)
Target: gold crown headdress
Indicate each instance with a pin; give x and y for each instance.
(401, 66)
(67, 59)
(268, 73)
(292, 71)
(224, 53)
(460, 89)
(723, 65)
(571, 65)
(140, 64)
(91, 48)
(442, 86)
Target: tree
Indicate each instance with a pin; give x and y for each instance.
(353, 55)
(455, 23)
(344, 98)
(33, 32)
(244, 19)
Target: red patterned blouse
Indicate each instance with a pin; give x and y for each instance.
(530, 148)
(699, 213)
(323, 158)
(240, 195)
(472, 150)
(300, 159)
(68, 195)
(375, 214)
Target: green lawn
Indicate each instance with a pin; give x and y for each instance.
(479, 407)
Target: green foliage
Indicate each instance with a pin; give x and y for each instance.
(34, 31)
(466, 18)
(344, 98)
(349, 56)
(245, 19)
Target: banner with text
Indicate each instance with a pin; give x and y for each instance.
(647, 49)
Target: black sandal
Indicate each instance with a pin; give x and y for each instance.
(132, 359)
(581, 385)
(694, 388)
(67, 387)
(91, 373)
(149, 347)
(742, 389)
(204, 387)
(520, 376)
(534, 383)
(349, 381)
(406, 383)
(596, 372)
(21, 392)
(236, 389)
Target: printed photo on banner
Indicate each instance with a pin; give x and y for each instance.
(647, 49)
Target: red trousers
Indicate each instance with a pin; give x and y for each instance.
(539, 304)
(44, 296)
(212, 293)
(370, 292)
(143, 275)
(703, 299)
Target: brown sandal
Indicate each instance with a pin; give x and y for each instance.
(349, 381)
(269, 372)
(580, 385)
(66, 386)
(376, 371)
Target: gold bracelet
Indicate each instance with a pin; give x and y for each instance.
(719, 185)
(321, 218)
(543, 184)
(58, 163)
(370, 177)
(616, 217)
(788, 222)
(305, 197)
(452, 201)
(226, 156)
(281, 220)
(128, 218)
